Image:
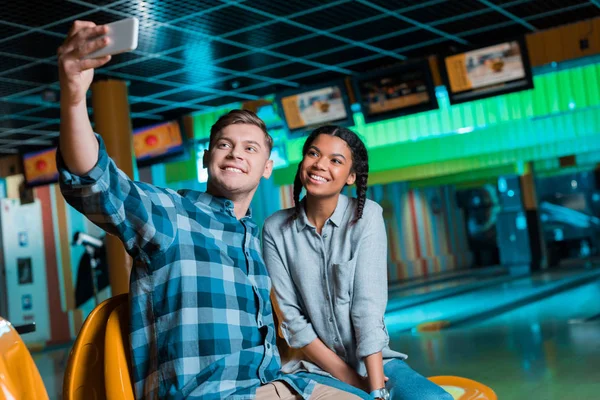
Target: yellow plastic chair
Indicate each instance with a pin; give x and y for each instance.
(98, 365)
(19, 377)
(117, 359)
(463, 388)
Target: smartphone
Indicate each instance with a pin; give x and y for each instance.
(123, 37)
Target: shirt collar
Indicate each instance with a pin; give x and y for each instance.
(214, 202)
(336, 218)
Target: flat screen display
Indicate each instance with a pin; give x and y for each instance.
(40, 167)
(313, 107)
(158, 142)
(488, 71)
(392, 92)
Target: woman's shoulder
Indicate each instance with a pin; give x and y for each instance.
(279, 219)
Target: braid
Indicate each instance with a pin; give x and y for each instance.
(361, 193)
(362, 175)
(297, 191)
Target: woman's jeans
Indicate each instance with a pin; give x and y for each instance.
(404, 384)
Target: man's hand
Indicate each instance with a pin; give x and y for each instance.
(75, 72)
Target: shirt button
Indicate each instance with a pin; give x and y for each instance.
(336, 340)
(330, 319)
(259, 323)
(325, 236)
(268, 346)
(247, 254)
(327, 297)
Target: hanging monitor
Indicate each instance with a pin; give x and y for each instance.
(157, 143)
(396, 91)
(488, 71)
(308, 108)
(40, 167)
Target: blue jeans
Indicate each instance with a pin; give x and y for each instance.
(404, 384)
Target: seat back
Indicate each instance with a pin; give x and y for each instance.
(463, 388)
(19, 377)
(117, 357)
(84, 376)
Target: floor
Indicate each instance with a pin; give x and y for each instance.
(544, 350)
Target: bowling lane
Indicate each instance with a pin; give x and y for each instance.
(445, 277)
(576, 306)
(490, 301)
(437, 291)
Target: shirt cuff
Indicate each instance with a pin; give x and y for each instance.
(300, 339)
(71, 180)
(372, 342)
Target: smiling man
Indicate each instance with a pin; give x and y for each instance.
(202, 324)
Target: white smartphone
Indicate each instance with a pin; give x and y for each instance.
(123, 37)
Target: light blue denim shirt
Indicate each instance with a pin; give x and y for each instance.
(332, 286)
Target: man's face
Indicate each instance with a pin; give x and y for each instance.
(237, 159)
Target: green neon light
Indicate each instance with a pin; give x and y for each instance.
(563, 108)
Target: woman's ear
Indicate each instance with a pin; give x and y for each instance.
(351, 179)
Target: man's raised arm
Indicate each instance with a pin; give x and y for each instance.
(79, 147)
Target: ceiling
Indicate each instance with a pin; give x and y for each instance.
(195, 55)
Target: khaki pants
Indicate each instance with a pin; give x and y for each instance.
(280, 390)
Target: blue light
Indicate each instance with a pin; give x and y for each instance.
(572, 105)
(279, 158)
(441, 92)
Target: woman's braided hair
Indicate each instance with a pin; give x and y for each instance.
(360, 164)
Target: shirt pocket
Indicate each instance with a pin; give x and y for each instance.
(343, 280)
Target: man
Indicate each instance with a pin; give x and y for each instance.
(201, 319)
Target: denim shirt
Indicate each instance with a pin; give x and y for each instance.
(331, 285)
(201, 318)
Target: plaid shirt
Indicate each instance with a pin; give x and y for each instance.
(201, 318)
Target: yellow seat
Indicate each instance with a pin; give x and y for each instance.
(98, 365)
(463, 388)
(117, 361)
(19, 377)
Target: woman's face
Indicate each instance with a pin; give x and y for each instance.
(327, 166)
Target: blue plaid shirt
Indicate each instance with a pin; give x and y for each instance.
(201, 318)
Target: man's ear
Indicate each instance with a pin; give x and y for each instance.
(268, 169)
(205, 159)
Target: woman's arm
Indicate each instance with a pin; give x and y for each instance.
(297, 330)
(374, 364)
(370, 295)
(296, 327)
(329, 361)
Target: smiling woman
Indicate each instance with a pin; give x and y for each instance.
(327, 167)
(327, 258)
(336, 156)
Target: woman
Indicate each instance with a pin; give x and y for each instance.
(327, 258)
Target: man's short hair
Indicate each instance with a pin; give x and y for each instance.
(234, 117)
